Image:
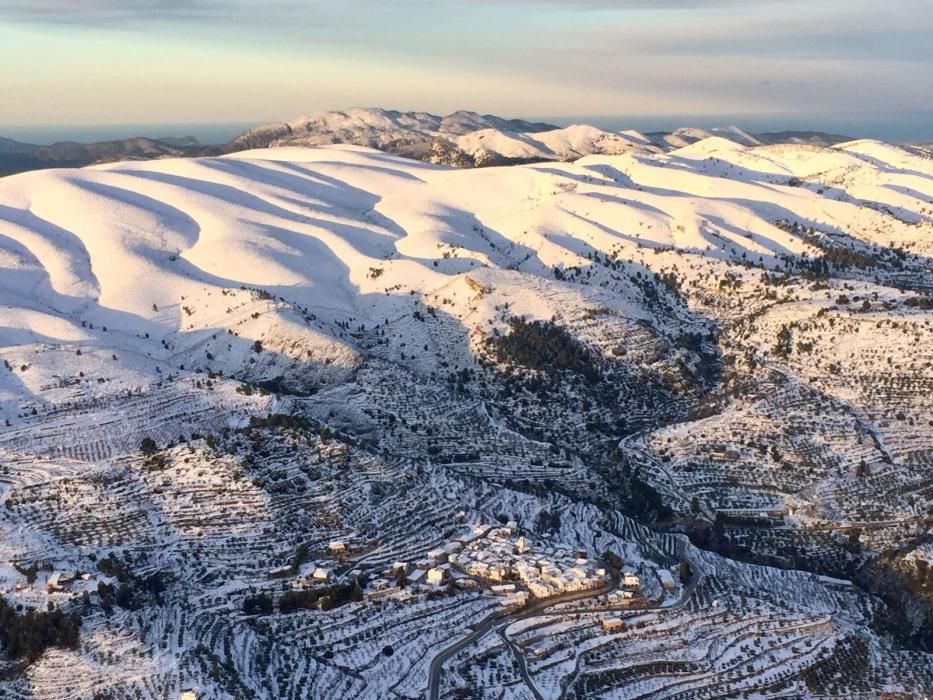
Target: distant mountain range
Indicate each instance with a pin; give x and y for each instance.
(17, 157)
(468, 139)
(461, 139)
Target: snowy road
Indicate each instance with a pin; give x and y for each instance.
(500, 621)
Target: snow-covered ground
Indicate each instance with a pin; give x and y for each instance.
(733, 339)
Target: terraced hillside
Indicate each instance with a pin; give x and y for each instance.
(326, 422)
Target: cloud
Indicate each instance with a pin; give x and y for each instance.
(104, 12)
(115, 13)
(610, 55)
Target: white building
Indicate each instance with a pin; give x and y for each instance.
(439, 555)
(667, 580)
(436, 576)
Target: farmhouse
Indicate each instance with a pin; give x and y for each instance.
(60, 581)
(613, 624)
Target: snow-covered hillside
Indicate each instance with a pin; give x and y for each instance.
(468, 139)
(412, 134)
(163, 254)
(464, 138)
(570, 143)
(215, 368)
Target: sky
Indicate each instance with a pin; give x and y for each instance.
(92, 62)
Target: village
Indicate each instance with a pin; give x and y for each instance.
(491, 560)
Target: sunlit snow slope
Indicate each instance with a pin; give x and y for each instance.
(148, 261)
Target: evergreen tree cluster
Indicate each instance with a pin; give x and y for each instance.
(784, 344)
(27, 635)
(544, 346)
(324, 597)
(259, 604)
(132, 590)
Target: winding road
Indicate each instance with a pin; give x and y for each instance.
(500, 621)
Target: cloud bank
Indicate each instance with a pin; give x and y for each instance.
(196, 60)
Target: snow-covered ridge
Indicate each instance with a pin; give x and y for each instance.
(130, 245)
(462, 139)
(470, 139)
(413, 134)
